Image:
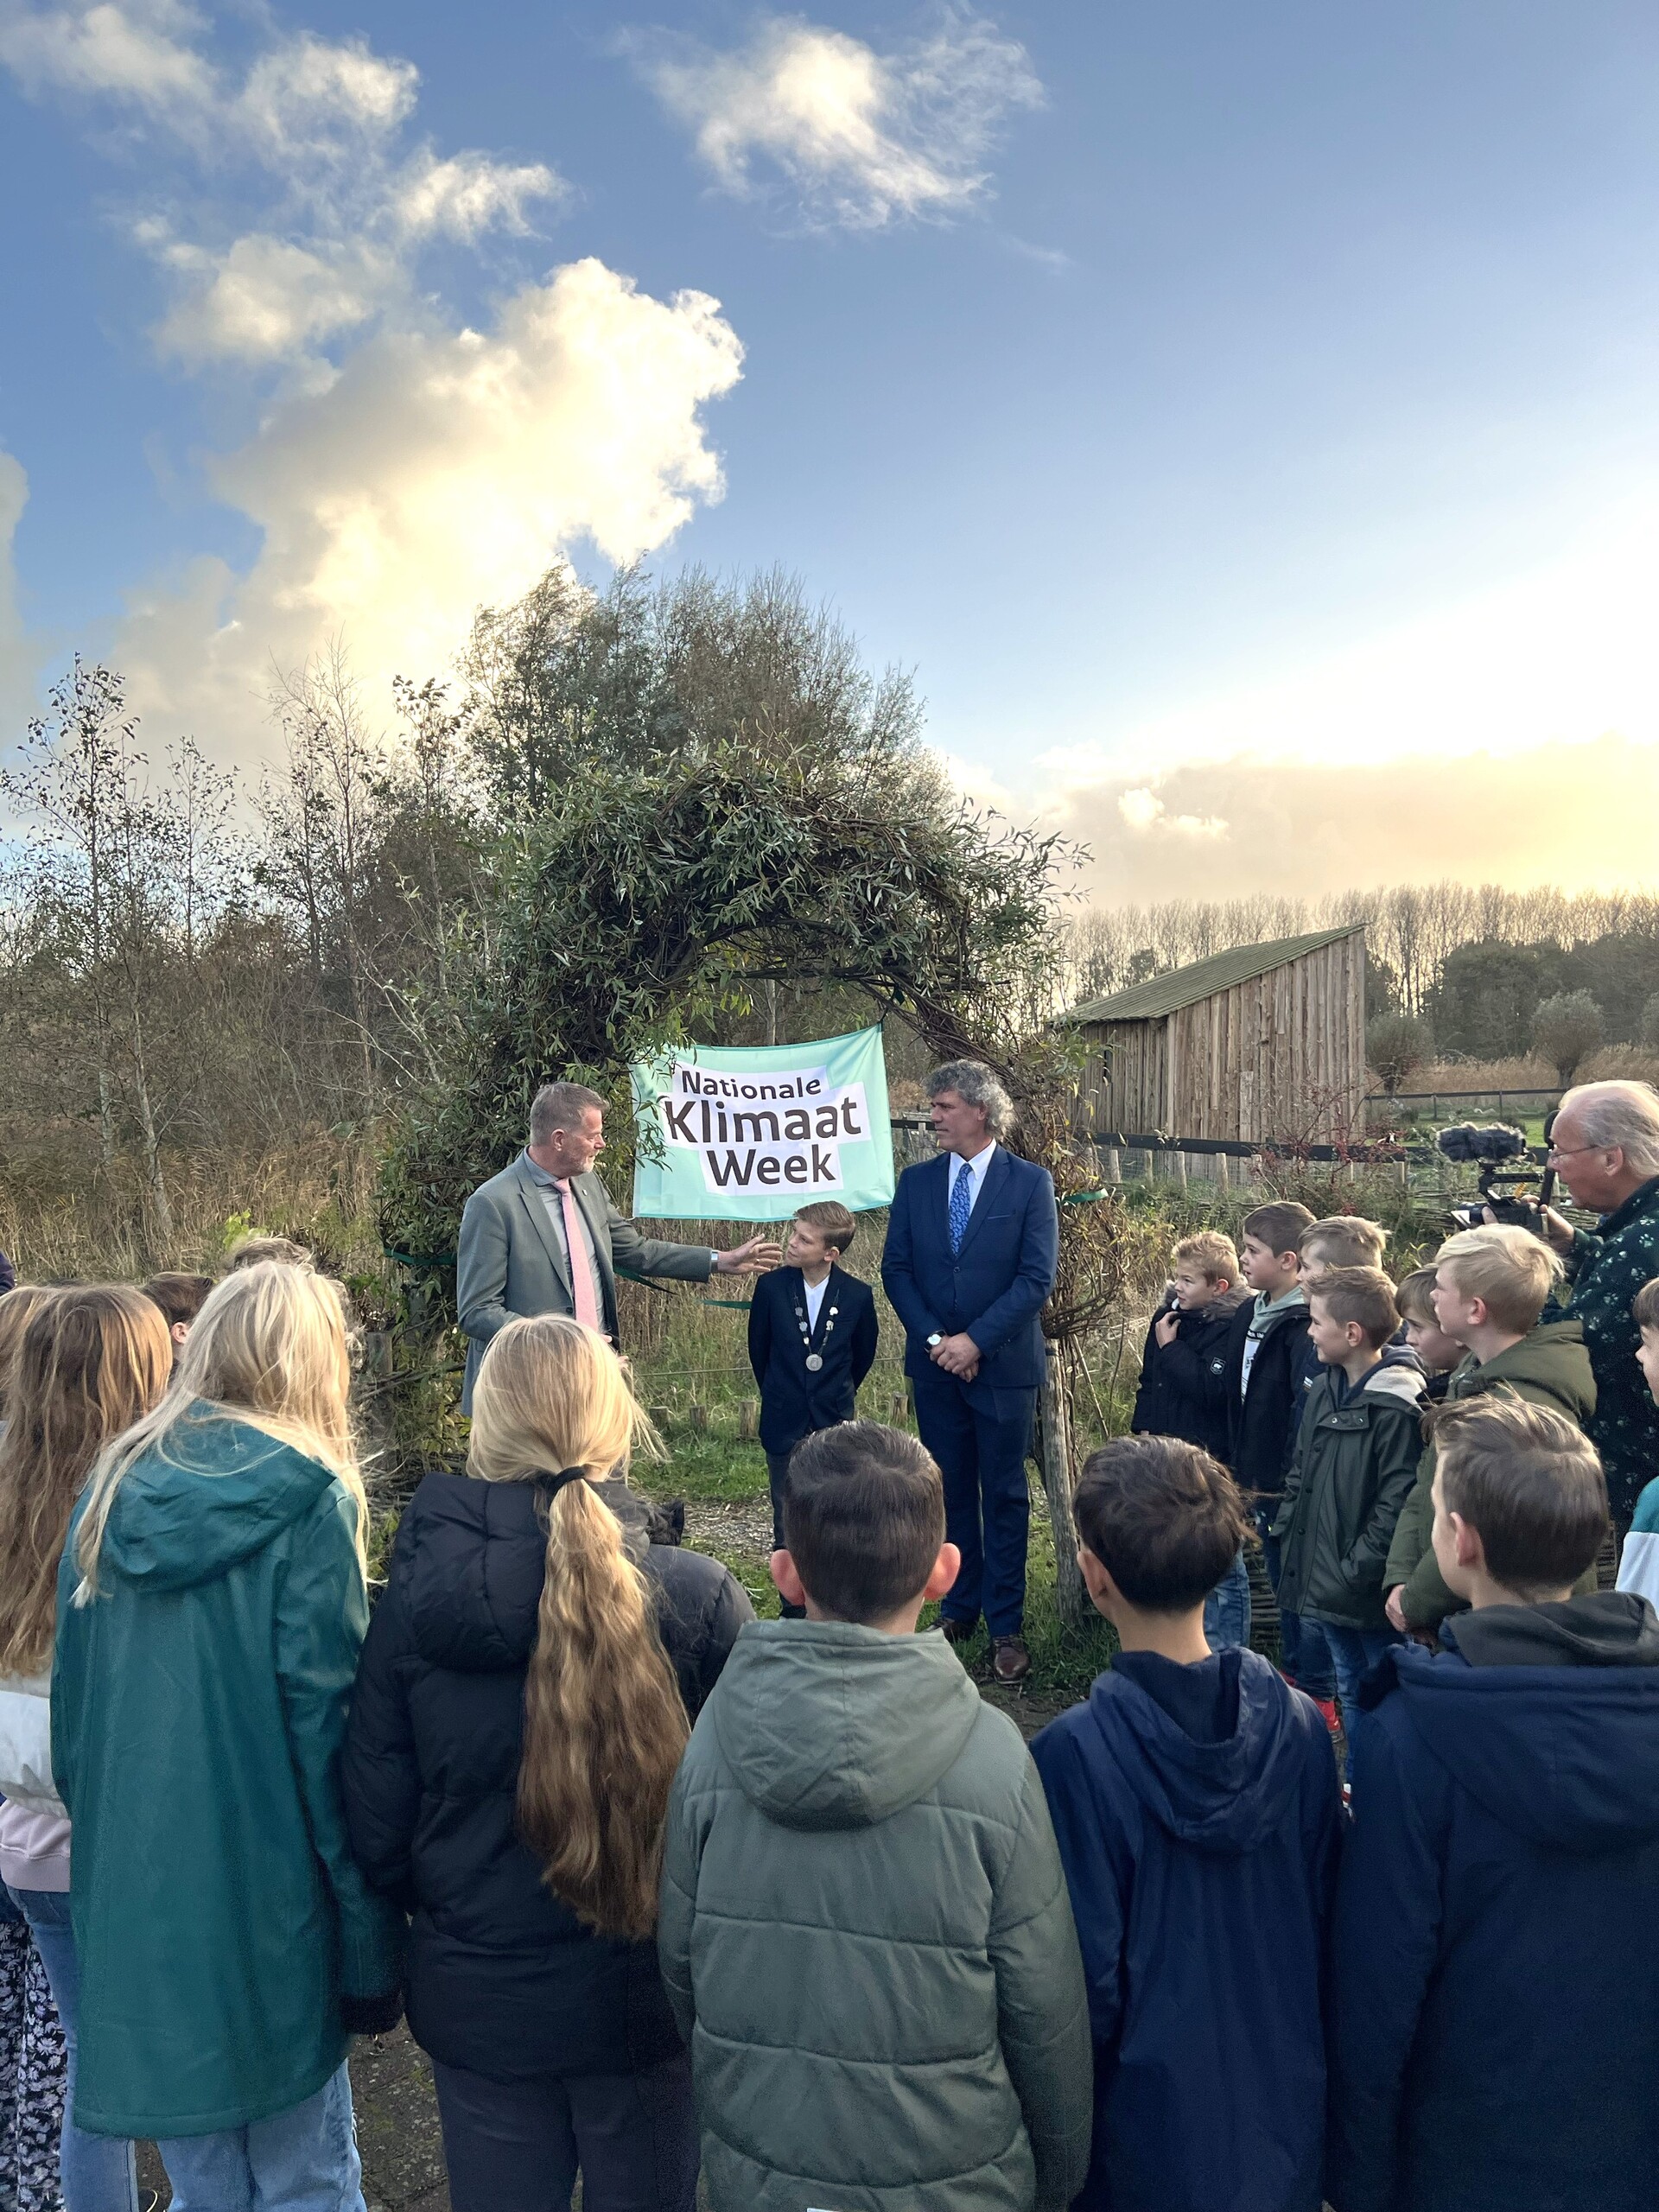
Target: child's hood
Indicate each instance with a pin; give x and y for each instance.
(826, 1725)
(217, 1491)
(1228, 1797)
(1396, 1382)
(1552, 1359)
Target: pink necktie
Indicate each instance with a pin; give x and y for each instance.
(582, 1274)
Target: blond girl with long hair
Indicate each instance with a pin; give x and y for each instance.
(525, 1696)
(83, 1367)
(211, 1607)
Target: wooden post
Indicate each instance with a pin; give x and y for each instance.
(1223, 1171)
(1054, 1457)
(1180, 1169)
(1113, 1165)
(748, 1419)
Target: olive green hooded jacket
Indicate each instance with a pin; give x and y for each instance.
(867, 1939)
(1351, 1473)
(199, 1703)
(1549, 1367)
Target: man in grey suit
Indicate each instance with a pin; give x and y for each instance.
(519, 1230)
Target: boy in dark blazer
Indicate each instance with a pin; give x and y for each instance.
(812, 1337)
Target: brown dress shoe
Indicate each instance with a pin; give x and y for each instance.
(957, 1631)
(1010, 1661)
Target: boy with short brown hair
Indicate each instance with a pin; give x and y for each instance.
(1495, 2039)
(1356, 1454)
(1265, 1348)
(180, 1297)
(865, 1932)
(1195, 1801)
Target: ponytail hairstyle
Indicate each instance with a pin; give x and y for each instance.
(86, 1365)
(270, 1348)
(604, 1721)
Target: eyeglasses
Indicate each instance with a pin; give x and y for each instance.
(1556, 1152)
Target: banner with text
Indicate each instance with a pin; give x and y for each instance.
(749, 1132)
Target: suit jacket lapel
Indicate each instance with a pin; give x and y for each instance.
(828, 1299)
(995, 1175)
(552, 1244)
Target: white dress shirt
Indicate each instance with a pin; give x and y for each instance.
(815, 1301)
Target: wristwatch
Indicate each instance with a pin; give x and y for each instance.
(935, 1341)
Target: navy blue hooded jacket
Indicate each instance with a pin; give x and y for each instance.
(504, 1980)
(1495, 2040)
(1200, 1852)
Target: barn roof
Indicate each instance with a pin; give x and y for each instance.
(1181, 987)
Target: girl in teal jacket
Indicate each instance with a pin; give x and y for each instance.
(210, 1609)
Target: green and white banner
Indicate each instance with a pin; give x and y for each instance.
(749, 1132)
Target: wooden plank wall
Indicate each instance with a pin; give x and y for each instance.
(1280, 1057)
(1126, 1086)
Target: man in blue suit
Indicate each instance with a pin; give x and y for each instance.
(973, 1247)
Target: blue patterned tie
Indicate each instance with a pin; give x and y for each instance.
(962, 1196)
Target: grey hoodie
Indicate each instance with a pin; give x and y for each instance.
(867, 1939)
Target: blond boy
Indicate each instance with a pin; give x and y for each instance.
(1492, 1285)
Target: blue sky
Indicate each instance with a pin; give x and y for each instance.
(1188, 393)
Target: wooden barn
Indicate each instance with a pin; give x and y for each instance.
(1259, 1043)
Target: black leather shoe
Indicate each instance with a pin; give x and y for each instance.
(957, 1631)
(1010, 1661)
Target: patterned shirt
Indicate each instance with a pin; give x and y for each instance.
(1607, 1266)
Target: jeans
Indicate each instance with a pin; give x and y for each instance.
(1354, 1652)
(776, 1468)
(301, 2160)
(1227, 1609)
(980, 1444)
(99, 2173)
(516, 2147)
(1304, 1654)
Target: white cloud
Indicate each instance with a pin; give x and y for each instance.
(314, 133)
(1144, 812)
(265, 300)
(468, 195)
(438, 472)
(862, 139)
(403, 472)
(18, 659)
(308, 96)
(140, 51)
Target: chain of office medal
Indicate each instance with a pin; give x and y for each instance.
(815, 1359)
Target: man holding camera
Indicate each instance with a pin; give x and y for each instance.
(1605, 1147)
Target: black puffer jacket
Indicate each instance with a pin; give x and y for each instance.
(503, 1978)
(1185, 1384)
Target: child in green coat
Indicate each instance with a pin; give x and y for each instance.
(1491, 1286)
(865, 1932)
(1355, 1461)
(211, 1604)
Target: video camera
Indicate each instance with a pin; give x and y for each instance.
(1505, 1189)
